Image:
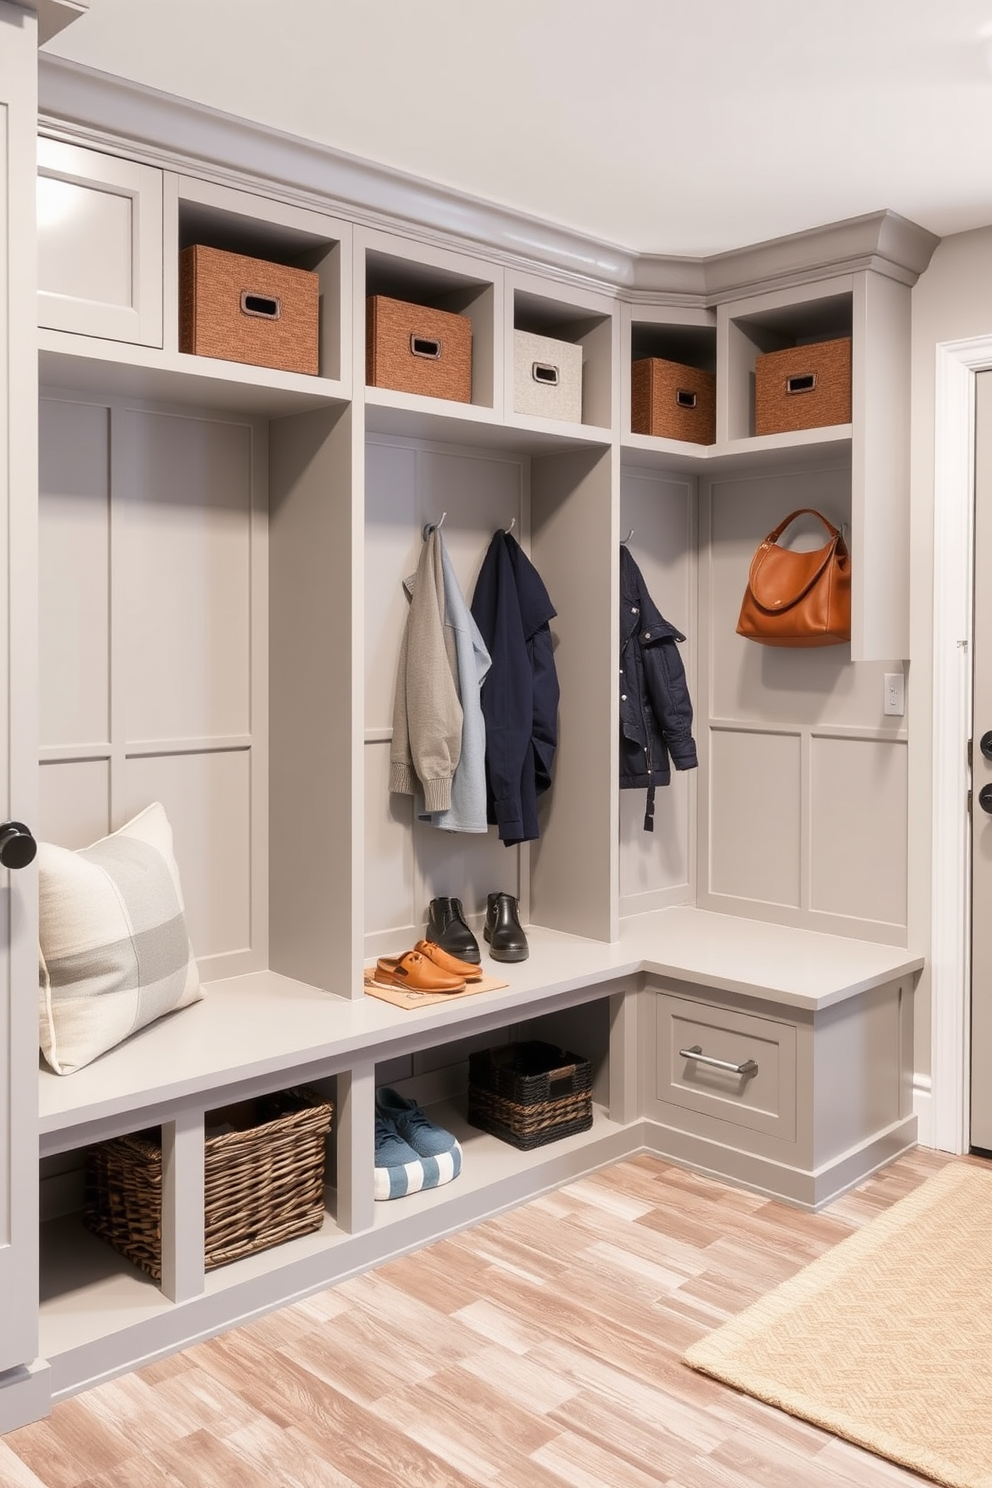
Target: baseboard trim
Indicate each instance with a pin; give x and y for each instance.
(923, 1110)
(808, 1189)
(25, 1395)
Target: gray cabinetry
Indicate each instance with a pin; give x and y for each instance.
(286, 510)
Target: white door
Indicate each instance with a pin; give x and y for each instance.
(18, 690)
(981, 815)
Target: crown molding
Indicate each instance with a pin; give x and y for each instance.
(121, 116)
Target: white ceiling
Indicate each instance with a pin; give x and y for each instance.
(664, 126)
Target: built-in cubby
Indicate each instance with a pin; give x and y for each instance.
(577, 317)
(441, 281)
(774, 323)
(218, 217)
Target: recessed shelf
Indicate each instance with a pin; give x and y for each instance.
(87, 364)
(406, 414)
(801, 447)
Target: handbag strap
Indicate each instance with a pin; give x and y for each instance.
(812, 512)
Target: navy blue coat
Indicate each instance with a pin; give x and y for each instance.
(655, 707)
(520, 695)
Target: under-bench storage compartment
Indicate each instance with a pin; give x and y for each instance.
(263, 1181)
(725, 1064)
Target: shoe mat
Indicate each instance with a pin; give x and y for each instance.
(406, 997)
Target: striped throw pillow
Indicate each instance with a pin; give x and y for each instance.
(114, 951)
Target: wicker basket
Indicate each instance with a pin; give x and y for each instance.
(417, 349)
(248, 310)
(262, 1184)
(803, 387)
(530, 1093)
(672, 401)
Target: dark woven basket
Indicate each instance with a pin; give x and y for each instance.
(529, 1093)
(262, 1185)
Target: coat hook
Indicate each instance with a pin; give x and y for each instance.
(625, 540)
(430, 527)
(508, 530)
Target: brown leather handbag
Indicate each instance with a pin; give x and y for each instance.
(798, 599)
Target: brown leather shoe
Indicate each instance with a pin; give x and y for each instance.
(416, 972)
(447, 962)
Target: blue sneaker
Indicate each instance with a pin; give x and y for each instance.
(398, 1169)
(413, 1126)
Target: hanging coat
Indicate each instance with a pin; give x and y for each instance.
(467, 812)
(520, 695)
(655, 707)
(427, 713)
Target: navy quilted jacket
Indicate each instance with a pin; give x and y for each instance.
(512, 609)
(655, 707)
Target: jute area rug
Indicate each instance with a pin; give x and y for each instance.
(887, 1339)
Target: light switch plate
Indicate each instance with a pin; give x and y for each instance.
(894, 696)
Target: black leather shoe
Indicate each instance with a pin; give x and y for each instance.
(507, 941)
(446, 927)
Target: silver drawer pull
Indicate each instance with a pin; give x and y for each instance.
(545, 372)
(749, 1067)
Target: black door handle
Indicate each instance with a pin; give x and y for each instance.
(985, 744)
(985, 798)
(18, 847)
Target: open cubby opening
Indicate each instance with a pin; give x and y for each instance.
(776, 329)
(539, 315)
(442, 289)
(275, 242)
(691, 346)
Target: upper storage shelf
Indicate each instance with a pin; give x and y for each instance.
(111, 233)
(840, 385)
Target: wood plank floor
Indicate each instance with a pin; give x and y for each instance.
(538, 1349)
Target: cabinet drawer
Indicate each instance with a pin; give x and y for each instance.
(99, 245)
(761, 1097)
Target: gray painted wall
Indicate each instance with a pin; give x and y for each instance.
(952, 300)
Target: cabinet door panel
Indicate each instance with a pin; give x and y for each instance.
(99, 245)
(18, 691)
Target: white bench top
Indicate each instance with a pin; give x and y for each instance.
(263, 1024)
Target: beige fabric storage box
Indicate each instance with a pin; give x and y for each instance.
(248, 310)
(672, 401)
(417, 349)
(803, 387)
(547, 377)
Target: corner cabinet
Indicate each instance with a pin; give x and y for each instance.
(230, 542)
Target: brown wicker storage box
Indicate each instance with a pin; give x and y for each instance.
(262, 1185)
(672, 401)
(803, 387)
(248, 310)
(529, 1093)
(416, 349)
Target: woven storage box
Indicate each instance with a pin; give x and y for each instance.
(262, 1185)
(672, 401)
(248, 310)
(416, 349)
(529, 1093)
(547, 377)
(803, 387)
